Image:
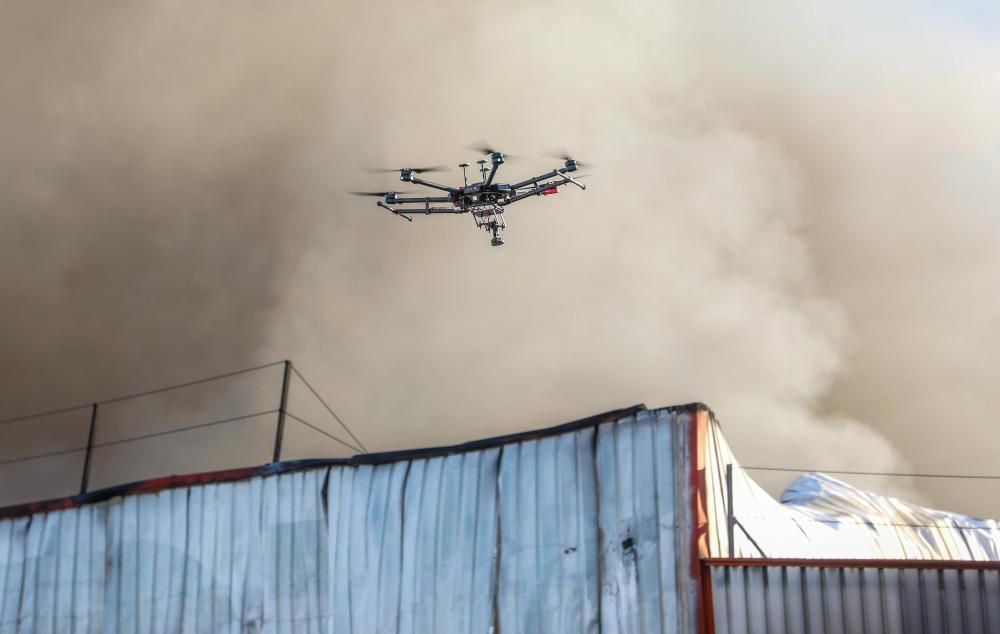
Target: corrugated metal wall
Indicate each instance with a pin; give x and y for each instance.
(849, 600)
(585, 531)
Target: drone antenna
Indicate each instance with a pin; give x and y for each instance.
(482, 168)
(464, 177)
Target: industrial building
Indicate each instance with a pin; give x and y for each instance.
(623, 522)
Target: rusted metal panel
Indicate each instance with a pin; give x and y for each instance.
(586, 529)
(842, 597)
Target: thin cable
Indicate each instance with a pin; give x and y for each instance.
(180, 429)
(328, 435)
(120, 441)
(41, 455)
(51, 412)
(189, 383)
(878, 473)
(127, 397)
(329, 409)
(868, 524)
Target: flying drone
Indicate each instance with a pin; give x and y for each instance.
(485, 199)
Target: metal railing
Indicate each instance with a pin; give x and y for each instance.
(289, 375)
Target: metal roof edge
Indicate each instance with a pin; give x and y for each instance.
(496, 441)
(243, 473)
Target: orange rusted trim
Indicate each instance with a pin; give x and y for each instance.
(699, 515)
(154, 485)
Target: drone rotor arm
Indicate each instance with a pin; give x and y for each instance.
(423, 200)
(528, 194)
(533, 181)
(394, 211)
(438, 210)
(428, 210)
(570, 179)
(489, 177)
(538, 188)
(444, 188)
(423, 205)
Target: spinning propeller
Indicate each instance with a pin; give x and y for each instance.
(563, 155)
(415, 170)
(486, 148)
(377, 194)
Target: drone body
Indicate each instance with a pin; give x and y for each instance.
(485, 200)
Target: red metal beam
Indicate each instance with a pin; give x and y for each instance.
(707, 613)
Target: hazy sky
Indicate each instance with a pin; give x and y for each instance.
(793, 219)
(978, 18)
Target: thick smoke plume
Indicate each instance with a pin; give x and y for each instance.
(792, 218)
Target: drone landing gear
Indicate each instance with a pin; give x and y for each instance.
(491, 219)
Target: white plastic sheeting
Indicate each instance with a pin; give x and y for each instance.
(584, 531)
(822, 517)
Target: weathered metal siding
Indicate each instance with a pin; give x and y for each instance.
(645, 544)
(549, 578)
(834, 600)
(584, 531)
(594, 530)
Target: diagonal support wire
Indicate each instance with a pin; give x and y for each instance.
(327, 434)
(329, 409)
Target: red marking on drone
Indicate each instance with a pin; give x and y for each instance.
(551, 191)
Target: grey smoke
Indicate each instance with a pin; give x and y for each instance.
(792, 221)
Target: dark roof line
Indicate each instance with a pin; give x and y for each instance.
(244, 473)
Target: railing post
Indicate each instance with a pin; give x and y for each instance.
(281, 411)
(90, 450)
(730, 514)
